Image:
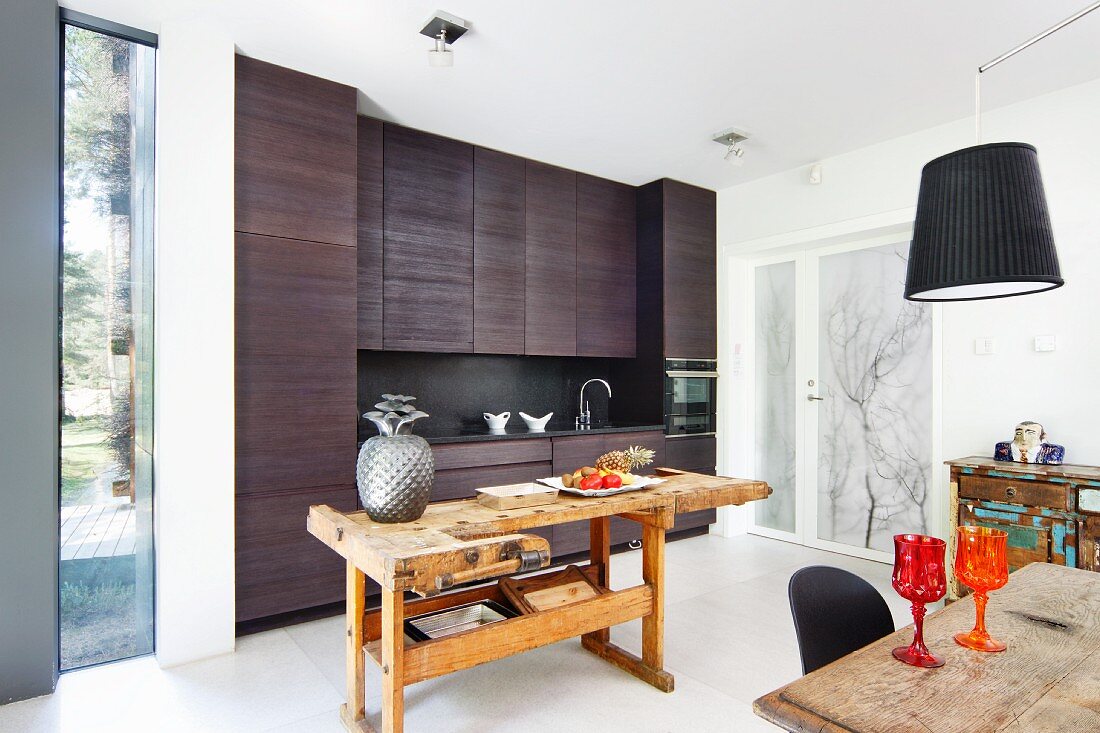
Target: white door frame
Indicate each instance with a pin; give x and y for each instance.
(807, 259)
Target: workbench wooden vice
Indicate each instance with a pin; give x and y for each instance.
(460, 542)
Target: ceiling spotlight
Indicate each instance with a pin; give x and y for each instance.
(732, 139)
(443, 28)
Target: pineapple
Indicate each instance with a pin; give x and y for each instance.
(625, 461)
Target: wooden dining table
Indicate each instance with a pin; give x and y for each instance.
(1047, 681)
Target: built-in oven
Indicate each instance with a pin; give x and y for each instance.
(691, 397)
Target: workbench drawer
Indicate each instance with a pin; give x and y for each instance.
(1012, 491)
(491, 453)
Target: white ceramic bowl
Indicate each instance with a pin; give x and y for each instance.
(536, 423)
(497, 422)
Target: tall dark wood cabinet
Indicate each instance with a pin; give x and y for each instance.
(295, 155)
(369, 234)
(690, 271)
(500, 252)
(606, 267)
(428, 242)
(551, 277)
(677, 291)
(295, 331)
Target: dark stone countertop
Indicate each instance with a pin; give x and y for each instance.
(520, 432)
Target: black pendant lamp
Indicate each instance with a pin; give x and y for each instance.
(982, 228)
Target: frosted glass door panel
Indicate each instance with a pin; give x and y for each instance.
(874, 425)
(775, 394)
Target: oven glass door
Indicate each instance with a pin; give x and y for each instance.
(690, 395)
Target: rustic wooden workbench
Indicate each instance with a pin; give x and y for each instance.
(462, 541)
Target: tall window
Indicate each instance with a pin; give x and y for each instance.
(105, 591)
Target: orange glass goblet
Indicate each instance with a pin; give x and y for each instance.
(981, 561)
(920, 577)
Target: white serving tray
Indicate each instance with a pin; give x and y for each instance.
(640, 483)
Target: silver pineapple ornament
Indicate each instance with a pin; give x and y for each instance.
(395, 469)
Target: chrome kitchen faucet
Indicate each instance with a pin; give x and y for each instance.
(585, 418)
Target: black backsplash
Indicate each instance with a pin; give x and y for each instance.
(455, 389)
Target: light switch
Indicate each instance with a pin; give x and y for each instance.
(985, 345)
(1046, 343)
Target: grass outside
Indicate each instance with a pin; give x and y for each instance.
(84, 457)
(97, 623)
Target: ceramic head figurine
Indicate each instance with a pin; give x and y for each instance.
(1029, 445)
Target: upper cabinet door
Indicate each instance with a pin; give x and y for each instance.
(606, 268)
(551, 314)
(690, 272)
(369, 254)
(295, 155)
(428, 244)
(500, 253)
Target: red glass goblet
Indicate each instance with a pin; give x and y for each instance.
(919, 577)
(981, 561)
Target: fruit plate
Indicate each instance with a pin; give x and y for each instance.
(639, 483)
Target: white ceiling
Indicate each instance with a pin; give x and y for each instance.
(633, 89)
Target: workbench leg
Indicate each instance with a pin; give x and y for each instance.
(653, 575)
(648, 667)
(353, 713)
(393, 661)
(599, 554)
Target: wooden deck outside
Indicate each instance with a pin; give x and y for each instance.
(97, 530)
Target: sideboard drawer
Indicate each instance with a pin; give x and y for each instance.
(1012, 491)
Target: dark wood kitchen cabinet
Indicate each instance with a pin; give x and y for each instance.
(285, 288)
(500, 252)
(279, 566)
(295, 154)
(696, 453)
(573, 452)
(690, 272)
(369, 235)
(295, 327)
(551, 272)
(606, 268)
(428, 244)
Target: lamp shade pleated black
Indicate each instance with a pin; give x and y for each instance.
(982, 228)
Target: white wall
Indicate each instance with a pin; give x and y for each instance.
(194, 342)
(874, 189)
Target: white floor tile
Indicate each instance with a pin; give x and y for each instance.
(728, 639)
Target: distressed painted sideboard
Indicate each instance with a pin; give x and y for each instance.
(1051, 513)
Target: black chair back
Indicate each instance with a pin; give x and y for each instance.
(835, 612)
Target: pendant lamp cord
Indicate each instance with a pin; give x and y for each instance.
(1009, 54)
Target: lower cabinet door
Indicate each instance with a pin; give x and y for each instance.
(461, 483)
(570, 538)
(697, 454)
(575, 451)
(694, 520)
(280, 566)
(624, 530)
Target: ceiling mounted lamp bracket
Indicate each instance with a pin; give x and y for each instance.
(444, 29)
(732, 138)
